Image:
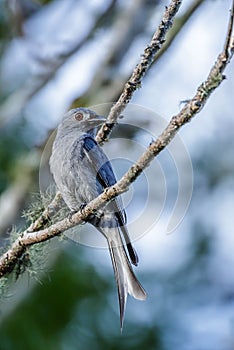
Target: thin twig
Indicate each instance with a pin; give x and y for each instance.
(229, 40)
(192, 107)
(179, 24)
(47, 214)
(140, 70)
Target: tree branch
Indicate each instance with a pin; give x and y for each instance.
(47, 214)
(191, 108)
(140, 70)
(179, 24)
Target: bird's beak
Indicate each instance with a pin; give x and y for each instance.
(99, 119)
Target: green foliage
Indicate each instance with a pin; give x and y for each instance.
(4, 26)
(38, 321)
(70, 310)
(3, 287)
(12, 147)
(44, 2)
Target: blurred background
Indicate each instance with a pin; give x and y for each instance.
(62, 295)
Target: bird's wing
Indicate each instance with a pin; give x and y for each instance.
(106, 178)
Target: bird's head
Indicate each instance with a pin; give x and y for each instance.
(83, 119)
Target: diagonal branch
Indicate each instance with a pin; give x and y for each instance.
(134, 82)
(179, 24)
(191, 108)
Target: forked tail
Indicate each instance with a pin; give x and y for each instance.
(126, 281)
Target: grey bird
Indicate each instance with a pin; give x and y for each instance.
(82, 171)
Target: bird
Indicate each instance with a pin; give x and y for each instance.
(82, 171)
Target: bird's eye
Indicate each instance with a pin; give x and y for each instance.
(78, 116)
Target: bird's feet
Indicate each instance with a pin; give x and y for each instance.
(82, 206)
(95, 219)
(72, 212)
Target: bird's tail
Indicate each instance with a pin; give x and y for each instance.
(126, 281)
